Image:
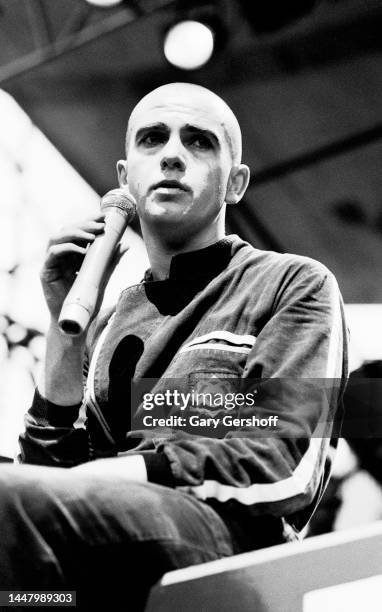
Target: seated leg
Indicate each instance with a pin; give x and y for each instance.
(110, 540)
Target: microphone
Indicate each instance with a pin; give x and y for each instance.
(119, 207)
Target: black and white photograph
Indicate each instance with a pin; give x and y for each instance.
(191, 305)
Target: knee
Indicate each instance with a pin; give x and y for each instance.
(24, 490)
(147, 510)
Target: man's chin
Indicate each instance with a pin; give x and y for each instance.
(166, 212)
(169, 224)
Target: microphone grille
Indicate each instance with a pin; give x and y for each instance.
(121, 199)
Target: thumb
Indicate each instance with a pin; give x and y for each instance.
(120, 251)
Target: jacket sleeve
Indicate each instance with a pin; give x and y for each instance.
(297, 369)
(56, 435)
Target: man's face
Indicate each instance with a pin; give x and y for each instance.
(178, 163)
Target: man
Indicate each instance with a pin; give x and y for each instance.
(211, 313)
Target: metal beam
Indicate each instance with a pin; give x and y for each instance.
(76, 20)
(74, 41)
(333, 149)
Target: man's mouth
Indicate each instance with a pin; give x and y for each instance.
(173, 185)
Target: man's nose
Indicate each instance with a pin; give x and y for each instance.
(173, 158)
(173, 162)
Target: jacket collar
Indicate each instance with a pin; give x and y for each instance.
(204, 263)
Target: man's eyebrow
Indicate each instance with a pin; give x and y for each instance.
(189, 128)
(152, 126)
(199, 130)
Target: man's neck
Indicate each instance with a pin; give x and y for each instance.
(161, 252)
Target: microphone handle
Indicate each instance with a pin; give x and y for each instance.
(80, 303)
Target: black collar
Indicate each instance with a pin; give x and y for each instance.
(201, 264)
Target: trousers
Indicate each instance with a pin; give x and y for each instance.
(107, 539)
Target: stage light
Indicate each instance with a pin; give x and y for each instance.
(104, 3)
(16, 333)
(189, 44)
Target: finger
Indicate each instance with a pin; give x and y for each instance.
(57, 251)
(117, 256)
(99, 215)
(92, 224)
(121, 250)
(74, 235)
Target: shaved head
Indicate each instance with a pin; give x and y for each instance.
(183, 165)
(201, 99)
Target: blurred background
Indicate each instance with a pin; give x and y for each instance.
(304, 79)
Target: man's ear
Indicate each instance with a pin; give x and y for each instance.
(237, 183)
(122, 173)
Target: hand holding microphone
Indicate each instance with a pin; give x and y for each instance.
(79, 306)
(74, 310)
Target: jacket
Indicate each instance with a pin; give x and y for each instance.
(229, 319)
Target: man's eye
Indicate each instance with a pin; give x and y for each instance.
(151, 140)
(201, 142)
